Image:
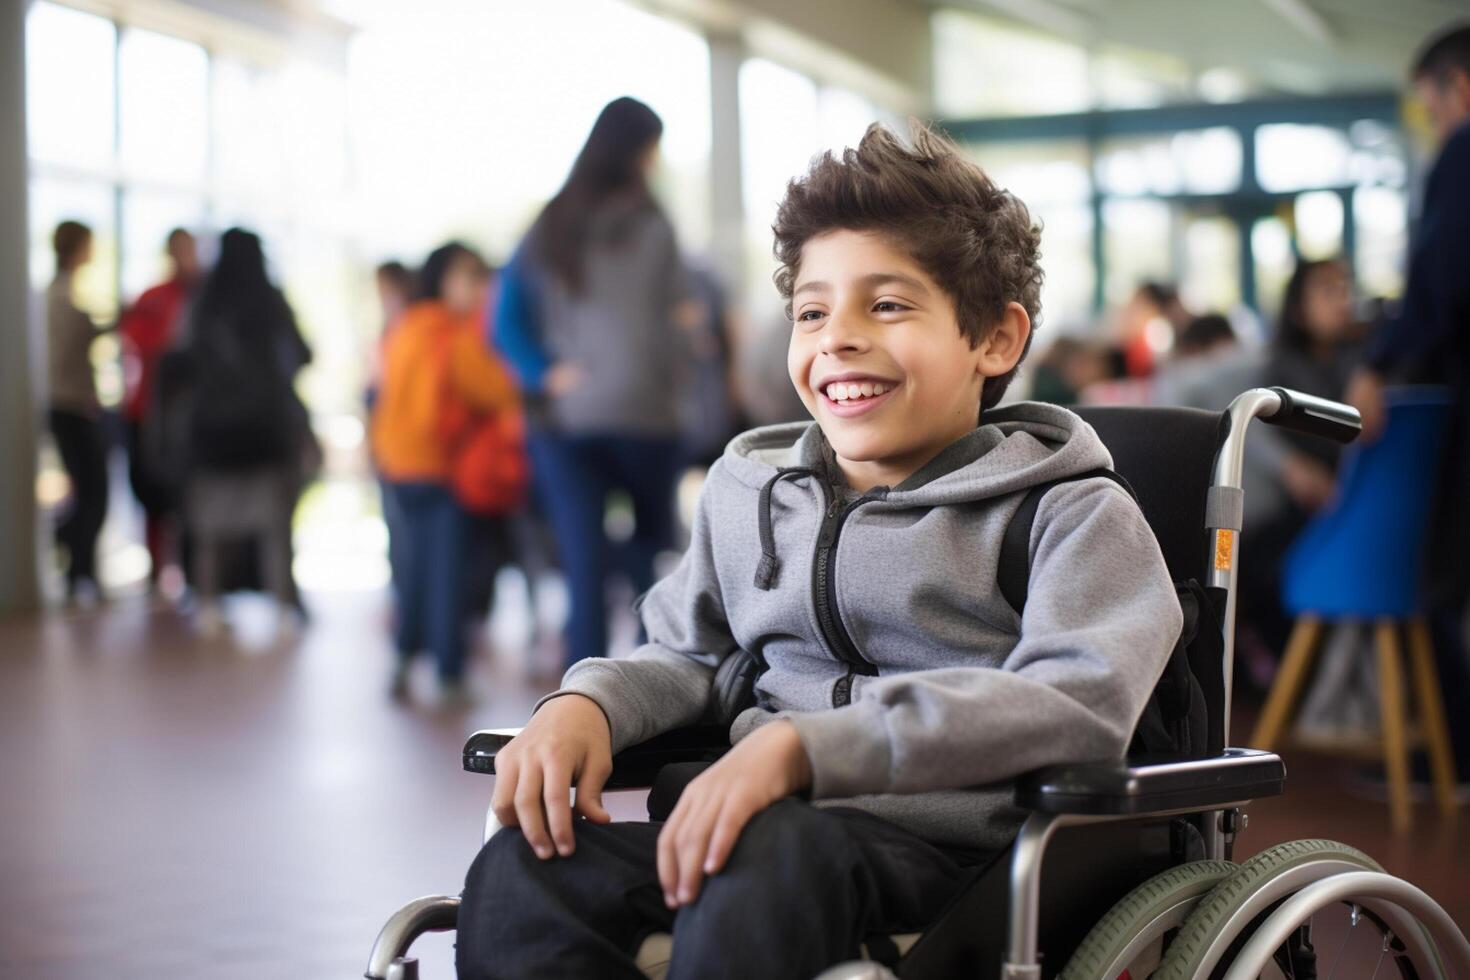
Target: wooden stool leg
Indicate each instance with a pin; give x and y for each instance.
(1431, 715)
(1286, 689)
(1395, 735)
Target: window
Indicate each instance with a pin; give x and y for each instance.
(1380, 217)
(1271, 248)
(1053, 181)
(778, 121)
(1319, 219)
(1210, 281)
(985, 67)
(1201, 161)
(1292, 157)
(69, 87)
(162, 108)
(1136, 236)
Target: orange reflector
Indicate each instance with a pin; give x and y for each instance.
(1224, 542)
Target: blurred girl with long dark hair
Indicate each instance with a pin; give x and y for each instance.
(586, 316)
(248, 435)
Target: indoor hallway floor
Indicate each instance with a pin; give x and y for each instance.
(248, 807)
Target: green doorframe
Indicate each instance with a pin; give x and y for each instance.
(1244, 206)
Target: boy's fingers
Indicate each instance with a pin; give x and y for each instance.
(589, 797)
(691, 846)
(528, 812)
(556, 790)
(502, 800)
(731, 822)
(668, 862)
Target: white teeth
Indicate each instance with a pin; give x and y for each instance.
(840, 391)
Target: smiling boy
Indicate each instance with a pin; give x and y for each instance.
(855, 558)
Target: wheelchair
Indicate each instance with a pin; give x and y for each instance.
(1122, 870)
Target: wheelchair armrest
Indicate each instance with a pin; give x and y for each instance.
(633, 768)
(1121, 789)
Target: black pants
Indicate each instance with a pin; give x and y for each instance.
(83, 448)
(803, 887)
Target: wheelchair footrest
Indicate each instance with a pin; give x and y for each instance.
(1140, 788)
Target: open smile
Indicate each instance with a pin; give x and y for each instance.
(850, 398)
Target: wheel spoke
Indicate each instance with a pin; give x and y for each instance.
(1354, 917)
(1381, 954)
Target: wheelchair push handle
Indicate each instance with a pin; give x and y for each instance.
(1314, 416)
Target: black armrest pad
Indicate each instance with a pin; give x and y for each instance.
(633, 768)
(1122, 789)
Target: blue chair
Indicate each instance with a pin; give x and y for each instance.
(1360, 561)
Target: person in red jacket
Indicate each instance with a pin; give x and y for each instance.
(148, 328)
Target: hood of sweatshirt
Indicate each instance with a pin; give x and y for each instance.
(1016, 447)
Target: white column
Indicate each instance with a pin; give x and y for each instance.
(18, 553)
(727, 203)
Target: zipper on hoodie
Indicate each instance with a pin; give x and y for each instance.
(824, 596)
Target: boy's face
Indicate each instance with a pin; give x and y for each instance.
(878, 358)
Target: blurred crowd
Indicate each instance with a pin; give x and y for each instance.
(508, 406)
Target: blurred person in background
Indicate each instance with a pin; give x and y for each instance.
(74, 412)
(395, 285)
(587, 316)
(1316, 345)
(437, 370)
(148, 328)
(249, 444)
(1147, 327)
(1070, 365)
(1428, 341)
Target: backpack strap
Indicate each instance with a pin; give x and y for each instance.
(1013, 574)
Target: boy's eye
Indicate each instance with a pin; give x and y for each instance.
(806, 316)
(888, 306)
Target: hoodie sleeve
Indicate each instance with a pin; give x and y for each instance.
(666, 683)
(1100, 620)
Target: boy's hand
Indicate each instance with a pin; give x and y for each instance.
(566, 741)
(766, 766)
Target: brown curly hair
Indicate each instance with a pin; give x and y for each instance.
(974, 239)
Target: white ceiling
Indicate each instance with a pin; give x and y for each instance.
(1306, 47)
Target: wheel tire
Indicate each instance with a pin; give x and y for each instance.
(1184, 959)
(1136, 911)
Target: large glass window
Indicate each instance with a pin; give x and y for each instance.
(1318, 216)
(1210, 279)
(778, 135)
(1201, 161)
(1052, 179)
(1379, 215)
(69, 87)
(1271, 250)
(1136, 235)
(987, 67)
(162, 108)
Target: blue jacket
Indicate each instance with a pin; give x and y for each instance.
(1429, 338)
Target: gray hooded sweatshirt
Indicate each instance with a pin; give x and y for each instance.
(916, 689)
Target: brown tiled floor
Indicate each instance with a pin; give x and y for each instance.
(223, 809)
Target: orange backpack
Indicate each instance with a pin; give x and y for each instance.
(488, 468)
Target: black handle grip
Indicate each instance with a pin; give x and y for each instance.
(1315, 416)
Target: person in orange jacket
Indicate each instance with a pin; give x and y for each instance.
(435, 362)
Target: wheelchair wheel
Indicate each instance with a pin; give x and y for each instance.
(1131, 938)
(1343, 939)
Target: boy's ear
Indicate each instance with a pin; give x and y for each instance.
(1005, 342)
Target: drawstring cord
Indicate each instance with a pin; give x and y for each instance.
(765, 572)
